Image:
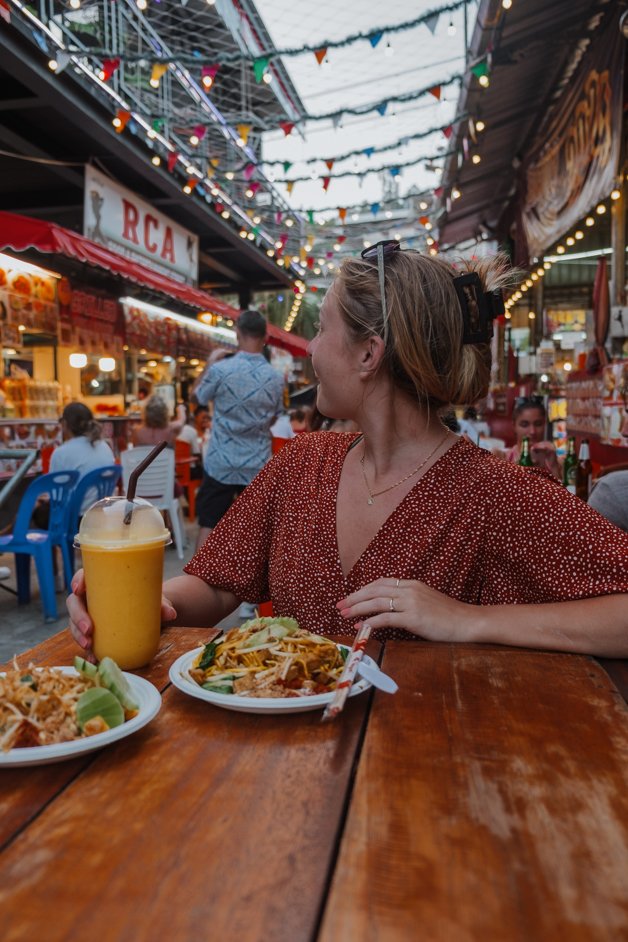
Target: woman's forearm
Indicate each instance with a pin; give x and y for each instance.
(197, 604)
(597, 626)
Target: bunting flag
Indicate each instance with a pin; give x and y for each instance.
(382, 108)
(243, 131)
(288, 260)
(214, 161)
(374, 38)
(249, 170)
(199, 132)
(278, 217)
(5, 12)
(341, 239)
(310, 261)
(394, 171)
(172, 161)
(303, 255)
(208, 74)
(424, 220)
(122, 119)
(431, 22)
(310, 216)
(158, 125)
(329, 164)
(157, 71)
(286, 166)
(342, 213)
(290, 187)
(109, 68)
(320, 54)
(287, 127)
(326, 182)
(255, 230)
(369, 151)
(40, 40)
(219, 207)
(448, 131)
(374, 208)
(438, 192)
(435, 91)
(480, 68)
(254, 186)
(329, 254)
(192, 183)
(259, 67)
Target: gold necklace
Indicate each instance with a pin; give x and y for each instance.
(374, 494)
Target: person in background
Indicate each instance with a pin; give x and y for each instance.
(298, 420)
(472, 426)
(247, 394)
(529, 419)
(189, 434)
(157, 426)
(83, 449)
(406, 526)
(609, 494)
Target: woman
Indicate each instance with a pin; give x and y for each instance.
(529, 420)
(157, 427)
(407, 525)
(83, 449)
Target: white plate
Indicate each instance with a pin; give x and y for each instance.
(180, 677)
(148, 699)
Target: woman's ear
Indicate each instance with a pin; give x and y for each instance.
(372, 354)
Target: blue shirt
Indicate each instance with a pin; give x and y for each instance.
(247, 394)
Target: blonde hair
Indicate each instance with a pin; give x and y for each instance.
(425, 356)
(156, 413)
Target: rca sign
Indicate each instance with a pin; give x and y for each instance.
(117, 218)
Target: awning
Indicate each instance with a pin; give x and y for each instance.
(20, 233)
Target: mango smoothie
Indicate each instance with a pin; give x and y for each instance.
(123, 577)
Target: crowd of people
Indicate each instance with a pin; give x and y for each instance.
(395, 519)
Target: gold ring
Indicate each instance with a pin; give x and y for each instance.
(392, 605)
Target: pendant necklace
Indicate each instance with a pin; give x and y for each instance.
(374, 494)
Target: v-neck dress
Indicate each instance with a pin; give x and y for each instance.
(474, 527)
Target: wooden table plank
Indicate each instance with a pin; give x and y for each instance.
(490, 803)
(208, 824)
(23, 793)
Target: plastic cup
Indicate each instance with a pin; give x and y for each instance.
(124, 565)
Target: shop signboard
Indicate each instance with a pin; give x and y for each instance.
(573, 162)
(28, 296)
(120, 220)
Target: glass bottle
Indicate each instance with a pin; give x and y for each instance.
(570, 466)
(584, 471)
(525, 458)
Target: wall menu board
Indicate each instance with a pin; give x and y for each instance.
(614, 378)
(584, 394)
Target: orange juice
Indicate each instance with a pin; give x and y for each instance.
(123, 577)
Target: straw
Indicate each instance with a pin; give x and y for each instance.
(130, 494)
(343, 686)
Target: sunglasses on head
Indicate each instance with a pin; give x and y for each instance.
(479, 308)
(523, 401)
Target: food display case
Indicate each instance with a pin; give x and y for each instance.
(27, 433)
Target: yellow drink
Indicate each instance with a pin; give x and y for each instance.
(123, 559)
(124, 601)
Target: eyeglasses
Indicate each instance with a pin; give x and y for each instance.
(379, 251)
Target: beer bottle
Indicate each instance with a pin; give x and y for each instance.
(525, 458)
(570, 465)
(583, 471)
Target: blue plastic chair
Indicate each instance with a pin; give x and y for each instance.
(96, 484)
(26, 542)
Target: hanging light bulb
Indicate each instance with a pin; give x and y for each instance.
(389, 51)
(267, 77)
(75, 4)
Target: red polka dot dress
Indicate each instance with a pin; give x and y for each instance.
(474, 527)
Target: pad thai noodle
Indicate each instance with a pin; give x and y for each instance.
(38, 707)
(269, 657)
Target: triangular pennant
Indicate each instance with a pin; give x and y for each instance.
(121, 120)
(287, 127)
(432, 22)
(341, 239)
(40, 40)
(326, 182)
(278, 217)
(435, 91)
(438, 192)
(395, 171)
(480, 69)
(259, 67)
(109, 67)
(320, 54)
(342, 213)
(290, 186)
(172, 161)
(157, 71)
(214, 161)
(374, 208)
(448, 131)
(382, 108)
(158, 125)
(310, 216)
(369, 151)
(329, 254)
(243, 131)
(248, 172)
(329, 164)
(375, 38)
(424, 220)
(286, 166)
(310, 261)
(303, 254)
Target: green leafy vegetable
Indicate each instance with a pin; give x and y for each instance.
(208, 655)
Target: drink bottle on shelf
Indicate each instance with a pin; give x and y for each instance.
(525, 459)
(570, 466)
(584, 471)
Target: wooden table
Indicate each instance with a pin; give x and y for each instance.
(484, 801)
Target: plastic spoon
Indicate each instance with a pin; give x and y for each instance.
(377, 678)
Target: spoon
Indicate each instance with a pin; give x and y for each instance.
(377, 678)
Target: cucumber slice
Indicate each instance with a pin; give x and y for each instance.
(89, 671)
(114, 680)
(99, 702)
(219, 688)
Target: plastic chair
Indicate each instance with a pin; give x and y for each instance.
(183, 470)
(96, 484)
(26, 542)
(156, 484)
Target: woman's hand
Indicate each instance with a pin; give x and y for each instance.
(411, 605)
(81, 625)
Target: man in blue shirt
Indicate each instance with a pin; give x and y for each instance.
(248, 395)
